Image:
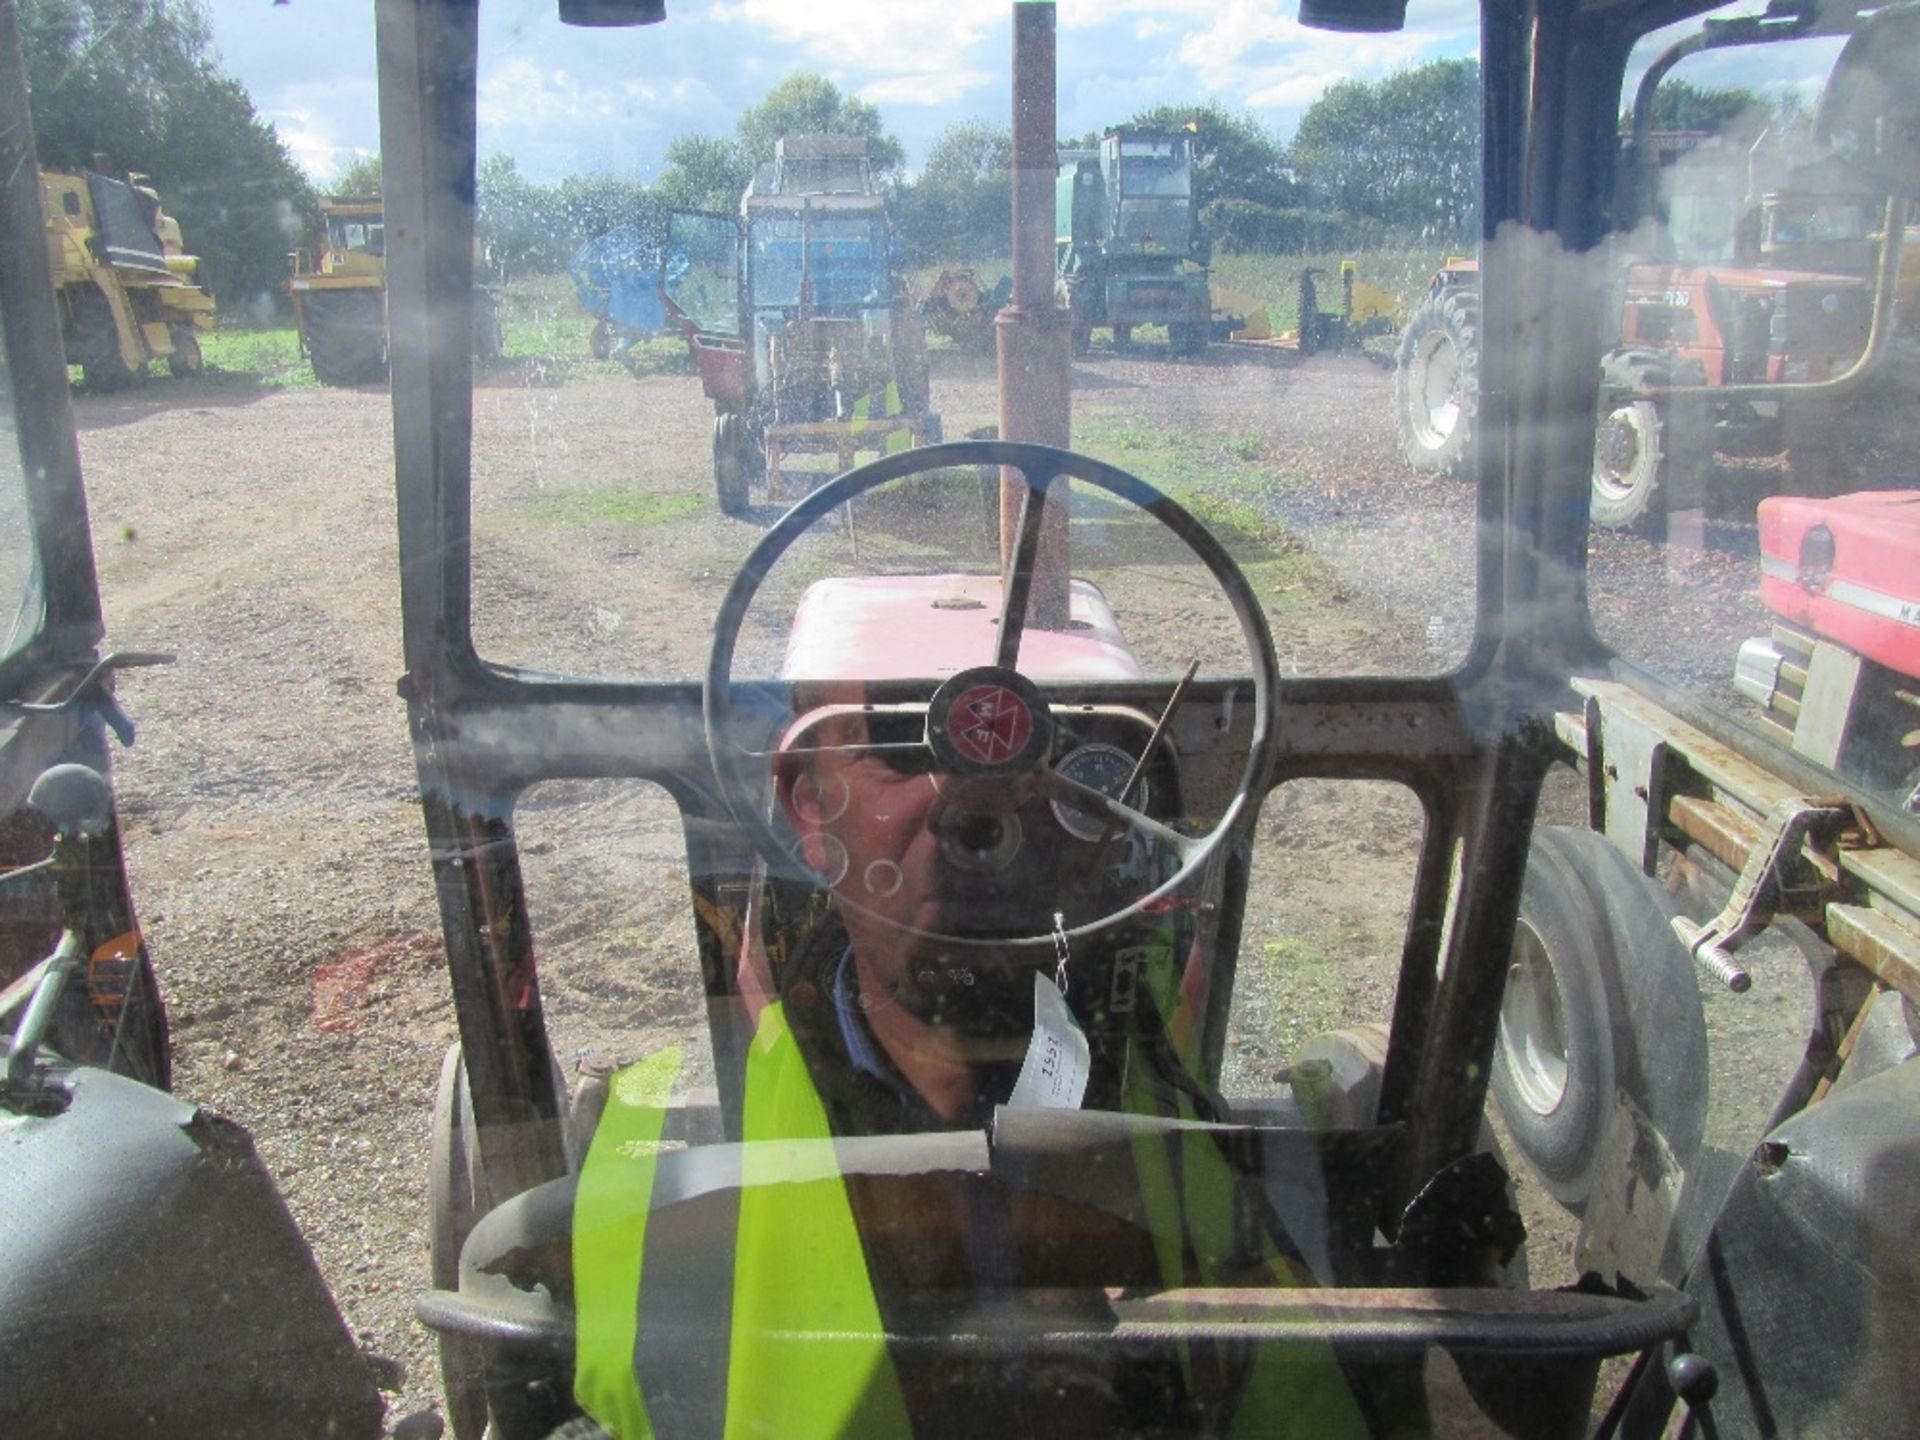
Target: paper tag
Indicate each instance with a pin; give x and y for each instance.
(1054, 1074)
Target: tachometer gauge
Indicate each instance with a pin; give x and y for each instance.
(1098, 767)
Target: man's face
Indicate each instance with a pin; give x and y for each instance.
(915, 856)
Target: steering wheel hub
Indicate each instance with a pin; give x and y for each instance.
(989, 721)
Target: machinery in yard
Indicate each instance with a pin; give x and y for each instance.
(940, 1135)
(806, 339)
(617, 277)
(339, 292)
(1129, 248)
(128, 291)
(959, 306)
(1773, 293)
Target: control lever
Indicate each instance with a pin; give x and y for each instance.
(1757, 892)
(90, 692)
(76, 802)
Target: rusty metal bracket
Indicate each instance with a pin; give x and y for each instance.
(1756, 895)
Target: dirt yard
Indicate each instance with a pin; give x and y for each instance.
(273, 829)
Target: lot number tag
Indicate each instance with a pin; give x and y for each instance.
(1054, 1074)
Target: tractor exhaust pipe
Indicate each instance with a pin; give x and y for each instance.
(1033, 335)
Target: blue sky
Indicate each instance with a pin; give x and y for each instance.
(562, 100)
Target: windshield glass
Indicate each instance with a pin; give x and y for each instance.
(1286, 809)
(20, 586)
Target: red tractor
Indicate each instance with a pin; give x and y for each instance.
(1767, 292)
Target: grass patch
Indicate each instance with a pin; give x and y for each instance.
(269, 354)
(611, 505)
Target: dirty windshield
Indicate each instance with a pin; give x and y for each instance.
(1143, 720)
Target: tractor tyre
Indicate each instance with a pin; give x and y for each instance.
(1601, 1005)
(186, 359)
(1186, 340)
(1630, 467)
(732, 463)
(1122, 337)
(97, 348)
(600, 342)
(456, 1199)
(1436, 384)
(345, 338)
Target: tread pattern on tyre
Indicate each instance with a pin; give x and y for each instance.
(1456, 311)
(345, 339)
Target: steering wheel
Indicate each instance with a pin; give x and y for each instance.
(990, 725)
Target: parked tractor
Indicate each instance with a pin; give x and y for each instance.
(339, 294)
(1768, 292)
(805, 336)
(1128, 247)
(127, 289)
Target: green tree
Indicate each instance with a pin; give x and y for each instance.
(361, 178)
(1682, 105)
(805, 104)
(703, 173)
(962, 204)
(1403, 151)
(134, 82)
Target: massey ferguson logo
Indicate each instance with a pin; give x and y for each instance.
(989, 724)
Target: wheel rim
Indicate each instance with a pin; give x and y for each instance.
(1623, 451)
(1436, 392)
(1533, 1035)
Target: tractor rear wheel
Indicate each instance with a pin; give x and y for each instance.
(1436, 385)
(600, 342)
(345, 337)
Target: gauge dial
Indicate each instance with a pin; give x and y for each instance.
(1105, 768)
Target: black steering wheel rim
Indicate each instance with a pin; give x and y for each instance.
(1039, 465)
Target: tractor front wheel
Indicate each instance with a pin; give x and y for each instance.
(732, 463)
(1185, 339)
(186, 359)
(1629, 466)
(1437, 381)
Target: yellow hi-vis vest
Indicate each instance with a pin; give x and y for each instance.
(806, 1350)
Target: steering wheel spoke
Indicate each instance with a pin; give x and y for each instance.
(1119, 817)
(1019, 579)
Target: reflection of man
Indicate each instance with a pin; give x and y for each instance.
(881, 1018)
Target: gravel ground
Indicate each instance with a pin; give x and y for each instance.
(273, 832)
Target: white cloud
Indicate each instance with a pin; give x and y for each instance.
(938, 87)
(857, 36)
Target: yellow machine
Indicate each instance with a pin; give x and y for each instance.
(127, 288)
(339, 292)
